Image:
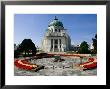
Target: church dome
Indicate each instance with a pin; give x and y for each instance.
(56, 22)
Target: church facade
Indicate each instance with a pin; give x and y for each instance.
(56, 38)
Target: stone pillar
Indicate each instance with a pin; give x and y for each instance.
(59, 45)
(53, 45)
(50, 45)
(62, 46)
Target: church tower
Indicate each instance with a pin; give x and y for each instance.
(56, 39)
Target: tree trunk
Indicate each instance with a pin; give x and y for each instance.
(25, 53)
(28, 53)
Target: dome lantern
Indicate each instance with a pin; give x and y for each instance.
(55, 18)
(56, 22)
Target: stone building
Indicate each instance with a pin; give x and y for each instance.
(56, 39)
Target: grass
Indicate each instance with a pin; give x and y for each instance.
(71, 52)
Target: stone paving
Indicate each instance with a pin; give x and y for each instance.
(64, 68)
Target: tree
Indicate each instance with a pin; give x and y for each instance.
(17, 51)
(95, 43)
(84, 48)
(28, 46)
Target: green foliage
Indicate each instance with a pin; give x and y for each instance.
(16, 53)
(28, 46)
(84, 48)
(95, 44)
(93, 54)
(71, 52)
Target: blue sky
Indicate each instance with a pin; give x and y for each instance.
(80, 27)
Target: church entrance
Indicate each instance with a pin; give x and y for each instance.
(56, 48)
(56, 45)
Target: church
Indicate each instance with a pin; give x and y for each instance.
(56, 38)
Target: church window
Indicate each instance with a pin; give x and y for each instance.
(55, 30)
(51, 41)
(60, 41)
(56, 41)
(60, 46)
(51, 46)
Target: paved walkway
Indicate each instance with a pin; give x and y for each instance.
(64, 68)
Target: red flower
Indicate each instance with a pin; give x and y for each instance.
(23, 64)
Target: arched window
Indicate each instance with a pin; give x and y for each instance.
(55, 30)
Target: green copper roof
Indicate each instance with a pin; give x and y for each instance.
(56, 22)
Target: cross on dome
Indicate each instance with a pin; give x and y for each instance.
(55, 18)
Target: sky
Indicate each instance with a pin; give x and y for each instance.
(80, 27)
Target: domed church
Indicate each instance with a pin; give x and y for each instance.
(56, 39)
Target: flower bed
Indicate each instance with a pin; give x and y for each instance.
(91, 63)
(24, 64)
